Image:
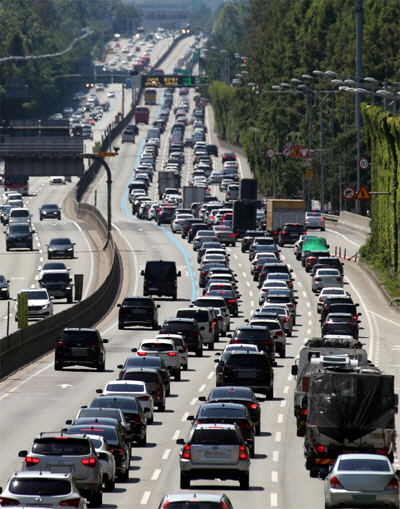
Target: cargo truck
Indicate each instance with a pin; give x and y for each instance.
(244, 216)
(192, 195)
(349, 411)
(280, 212)
(165, 179)
(320, 353)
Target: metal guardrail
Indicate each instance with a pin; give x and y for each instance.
(331, 217)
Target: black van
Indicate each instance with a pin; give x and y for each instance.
(160, 278)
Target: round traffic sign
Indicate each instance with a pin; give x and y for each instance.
(270, 153)
(348, 193)
(287, 152)
(363, 163)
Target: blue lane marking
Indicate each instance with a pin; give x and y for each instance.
(109, 111)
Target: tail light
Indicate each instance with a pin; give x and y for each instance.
(287, 319)
(245, 425)
(62, 343)
(320, 299)
(303, 411)
(335, 484)
(138, 420)
(381, 451)
(8, 501)
(184, 349)
(232, 235)
(172, 354)
(266, 342)
(338, 279)
(210, 327)
(393, 485)
(116, 451)
(321, 448)
(144, 398)
(30, 462)
(253, 406)
(317, 279)
(89, 462)
(231, 300)
(278, 333)
(283, 232)
(159, 386)
(72, 502)
(242, 452)
(94, 345)
(186, 452)
(142, 354)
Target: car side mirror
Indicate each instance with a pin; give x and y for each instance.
(180, 441)
(23, 454)
(202, 398)
(190, 418)
(359, 314)
(118, 305)
(291, 270)
(69, 422)
(178, 274)
(99, 391)
(134, 350)
(33, 231)
(295, 369)
(158, 306)
(105, 340)
(142, 272)
(120, 366)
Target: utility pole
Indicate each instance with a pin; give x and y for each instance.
(359, 27)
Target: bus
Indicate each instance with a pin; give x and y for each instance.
(18, 183)
(142, 114)
(150, 96)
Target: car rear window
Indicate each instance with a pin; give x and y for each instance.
(157, 347)
(61, 446)
(43, 486)
(137, 302)
(194, 504)
(114, 402)
(128, 387)
(366, 465)
(215, 303)
(200, 316)
(99, 412)
(161, 270)
(220, 413)
(143, 376)
(79, 338)
(215, 436)
(247, 361)
(179, 326)
(108, 432)
(251, 334)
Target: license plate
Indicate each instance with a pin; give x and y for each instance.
(216, 454)
(293, 234)
(37, 505)
(153, 289)
(63, 469)
(79, 353)
(247, 374)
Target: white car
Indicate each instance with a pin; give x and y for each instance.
(40, 305)
(176, 225)
(166, 350)
(135, 388)
(57, 180)
(326, 277)
(180, 343)
(33, 489)
(107, 460)
(110, 94)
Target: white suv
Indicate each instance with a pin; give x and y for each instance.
(166, 350)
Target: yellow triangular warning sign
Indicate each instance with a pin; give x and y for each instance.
(363, 194)
(296, 152)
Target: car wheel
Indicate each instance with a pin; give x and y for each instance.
(31, 248)
(101, 367)
(177, 375)
(154, 325)
(168, 391)
(72, 255)
(125, 476)
(185, 482)
(41, 218)
(282, 353)
(174, 296)
(69, 299)
(57, 366)
(258, 428)
(96, 500)
(223, 334)
(142, 441)
(252, 451)
(211, 346)
(314, 473)
(245, 481)
(109, 485)
(150, 420)
(121, 326)
(199, 353)
(161, 407)
(185, 367)
(270, 394)
(289, 333)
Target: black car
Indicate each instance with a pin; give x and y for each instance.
(4, 288)
(235, 394)
(101, 413)
(160, 278)
(131, 409)
(290, 233)
(230, 297)
(228, 413)
(120, 449)
(80, 347)
(340, 324)
(212, 150)
(189, 329)
(146, 361)
(107, 421)
(58, 284)
(165, 214)
(19, 235)
(328, 262)
(152, 377)
(251, 369)
(138, 311)
(258, 336)
(248, 239)
(194, 228)
(335, 299)
(340, 307)
(60, 247)
(49, 211)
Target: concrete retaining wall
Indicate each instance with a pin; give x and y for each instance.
(355, 222)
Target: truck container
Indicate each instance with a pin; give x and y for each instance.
(349, 411)
(165, 179)
(193, 194)
(280, 212)
(320, 353)
(244, 216)
(248, 189)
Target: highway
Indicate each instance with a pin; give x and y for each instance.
(39, 399)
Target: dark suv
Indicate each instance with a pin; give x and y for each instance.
(58, 284)
(82, 347)
(256, 335)
(145, 361)
(331, 262)
(290, 233)
(138, 311)
(189, 329)
(160, 278)
(19, 235)
(251, 369)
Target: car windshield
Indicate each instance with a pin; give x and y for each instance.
(62, 445)
(50, 207)
(58, 277)
(60, 242)
(42, 486)
(36, 294)
(2, 279)
(19, 228)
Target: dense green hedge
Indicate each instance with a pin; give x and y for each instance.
(383, 133)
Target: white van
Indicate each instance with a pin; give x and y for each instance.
(128, 135)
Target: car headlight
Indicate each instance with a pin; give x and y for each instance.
(70, 248)
(44, 212)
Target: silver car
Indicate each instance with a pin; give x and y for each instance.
(214, 451)
(362, 480)
(314, 220)
(326, 277)
(43, 489)
(106, 459)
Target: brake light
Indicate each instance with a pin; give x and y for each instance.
(393, 485)
(335, 484)
(8, 501)
(30, 462)
(283, 232)
(172, 354)
(278, 333)
(72, 502)
(210, 327)
(317, 279)
(245, 425)
(242, 452)
(62, 343)
(338, 279)
(184, 349)
(253, 406)
(304, 411)
(186, 452)
(94, 345)
(89, 462)
(116, 452)
(231, 300)
(159, 386)
(381, 451)
(144, 398)
(141, 353)
(286, 319)
(138, 420)
(321, 448)
(266, 342)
